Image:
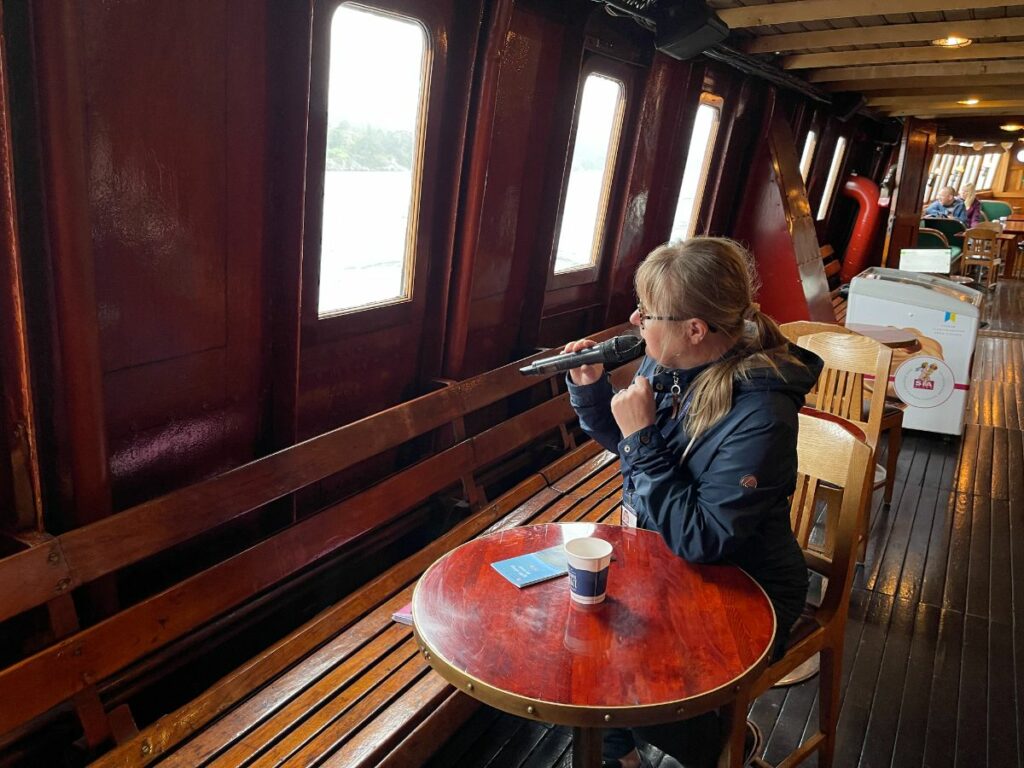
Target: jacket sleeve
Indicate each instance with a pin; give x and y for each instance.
(708, 518)
(593, 406)
(935, 209)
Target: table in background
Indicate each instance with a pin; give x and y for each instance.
(889, 335)
(672, 639)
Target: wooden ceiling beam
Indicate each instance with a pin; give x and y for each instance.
(885, 34)
(894, 95)
(961, 70)
(953, 107)
(916, 97)
(924, 112)
(918, 53)
(769, 14)
(922, 84)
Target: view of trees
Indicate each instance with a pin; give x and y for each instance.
(353, 147)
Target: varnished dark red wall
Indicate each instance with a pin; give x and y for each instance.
(196, 128)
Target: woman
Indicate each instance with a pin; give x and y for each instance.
(706, 434)
(973, 207)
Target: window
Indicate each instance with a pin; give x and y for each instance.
(808, 154)
(376, 89)
(698, 161)
(988, 171)
(590, 173)
(833, 177)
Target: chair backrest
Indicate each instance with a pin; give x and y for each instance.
(834, 475)
(980, 242)
(931, 238)
(948, 227)
(995, 209)
(797, 328)
(849, 358)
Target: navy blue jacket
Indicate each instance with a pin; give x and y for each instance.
(728, 499)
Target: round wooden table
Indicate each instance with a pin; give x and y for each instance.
(671, 640)
(890, 336)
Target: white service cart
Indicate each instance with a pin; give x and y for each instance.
(933, 380)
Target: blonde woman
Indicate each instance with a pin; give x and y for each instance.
(973, 207)
(706, 435)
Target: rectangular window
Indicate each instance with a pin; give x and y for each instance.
(598, 124)
(988, 171)
(833, 177)
(375, 98)
(698, 162)
(808, 154)
(933, 177)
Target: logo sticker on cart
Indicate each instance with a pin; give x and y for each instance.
(924, 382)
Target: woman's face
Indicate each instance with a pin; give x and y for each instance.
(665, 337)
(676, 341)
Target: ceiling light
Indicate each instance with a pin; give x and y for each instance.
(968, 102)
(1011, 126)
(952, 42)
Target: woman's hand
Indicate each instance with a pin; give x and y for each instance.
(585, 374)
(633, 407)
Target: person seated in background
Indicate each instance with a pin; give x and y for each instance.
(973, 207)
(948, 206)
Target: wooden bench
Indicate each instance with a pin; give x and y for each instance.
(347, 683)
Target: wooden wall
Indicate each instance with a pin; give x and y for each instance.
(165, 178)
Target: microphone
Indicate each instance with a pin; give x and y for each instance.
(620, 349)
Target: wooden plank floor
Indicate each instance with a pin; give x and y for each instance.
(933, 673)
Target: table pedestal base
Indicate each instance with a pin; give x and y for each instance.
(586, 747)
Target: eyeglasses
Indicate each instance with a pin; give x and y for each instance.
(644, 317)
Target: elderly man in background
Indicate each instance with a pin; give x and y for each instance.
(948, 206)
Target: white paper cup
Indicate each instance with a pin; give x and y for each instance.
(588, 561)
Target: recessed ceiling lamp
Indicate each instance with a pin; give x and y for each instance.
(1011, 126)
(952, 42)
(968, 102)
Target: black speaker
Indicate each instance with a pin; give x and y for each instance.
(685, 29)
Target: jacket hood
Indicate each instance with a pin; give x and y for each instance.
(790, 378)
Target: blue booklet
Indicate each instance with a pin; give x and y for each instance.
(534, 567)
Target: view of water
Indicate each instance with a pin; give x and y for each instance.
(363, 245)
(364, 233)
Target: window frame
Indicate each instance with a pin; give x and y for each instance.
(837, 165)
(717, 103)
(622, 73)
(395, 312)
(808, 153)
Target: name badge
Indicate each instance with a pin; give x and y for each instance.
(628, 516)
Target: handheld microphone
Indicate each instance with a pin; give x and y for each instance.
(620, 349)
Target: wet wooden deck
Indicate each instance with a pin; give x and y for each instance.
(934, 658)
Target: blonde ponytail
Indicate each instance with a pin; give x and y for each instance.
(713, 278)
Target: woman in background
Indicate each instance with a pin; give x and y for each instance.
(973, 206)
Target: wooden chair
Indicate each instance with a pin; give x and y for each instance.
(892, 415)
(981, 250)
(931, 238)
(830, 451)
(796, 329)
(848, 359)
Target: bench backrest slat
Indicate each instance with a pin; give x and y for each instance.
(60, 671)
(95, 550)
